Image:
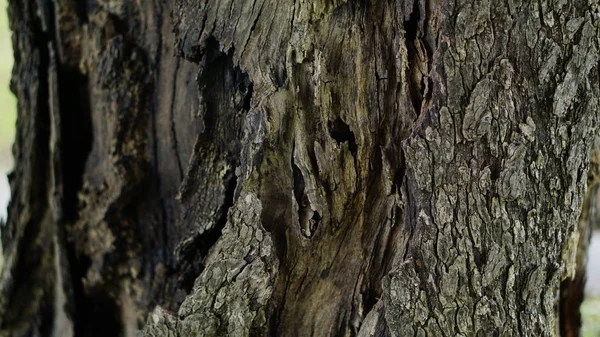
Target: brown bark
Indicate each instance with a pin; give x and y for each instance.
(292, 168)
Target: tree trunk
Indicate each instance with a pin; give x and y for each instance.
(300, 168)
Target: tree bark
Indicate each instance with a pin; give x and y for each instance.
(300, 168)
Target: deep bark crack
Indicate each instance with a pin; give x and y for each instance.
(341, 133)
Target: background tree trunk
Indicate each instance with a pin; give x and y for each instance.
(299, 168)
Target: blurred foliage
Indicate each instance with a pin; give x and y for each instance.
(590, 317)
(8, 102)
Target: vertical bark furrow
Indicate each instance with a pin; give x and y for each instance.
(108, 233)
(28, 276)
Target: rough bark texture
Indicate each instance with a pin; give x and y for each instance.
(300, 168)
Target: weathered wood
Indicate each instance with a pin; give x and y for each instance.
(292, 168)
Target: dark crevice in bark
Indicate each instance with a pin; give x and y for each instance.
(412, 25)
(210, 54)
(314, 221)
(172, 121)
(479, 258)
(121, 27)
(420, 46)
(42, 118)
(218, 78)
(209, 239)
(416, 86)
(163, 216)
(307, 218)
(78, 266)
(76, 130)
(571, 297)
(430, 35)
(340, 131)
(371, 296)
(382, 252)
(101, 315)
(399, 174)
(165, 251)
(191, 266)
(226, 96)
(196, 252)
(81, 9)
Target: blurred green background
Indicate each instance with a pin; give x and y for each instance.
(8, 102)
(8, 108)
(590, 316)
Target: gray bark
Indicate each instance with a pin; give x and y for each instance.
(296, 168)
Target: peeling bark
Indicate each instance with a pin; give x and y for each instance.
(326, 168)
